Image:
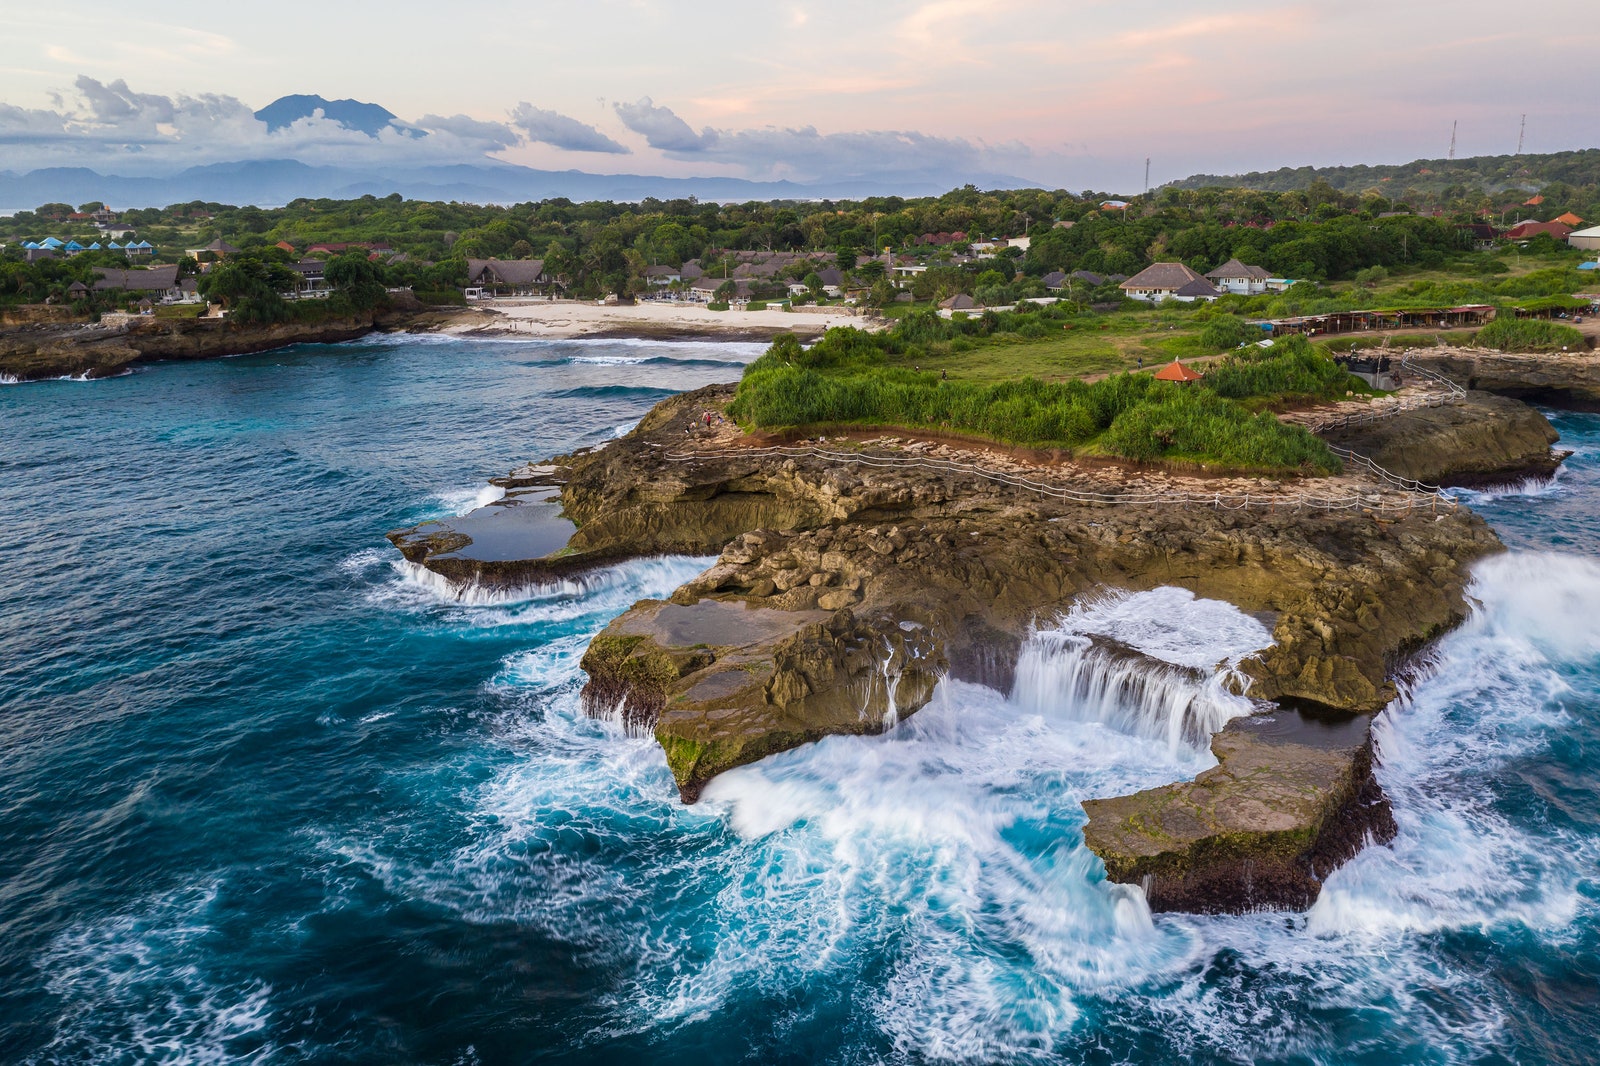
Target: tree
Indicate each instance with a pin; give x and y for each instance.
(356, 280)
(249, 286)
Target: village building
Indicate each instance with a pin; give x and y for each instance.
(1524, 230)
(219, 248)
(662, 276)
(1241, 279)
(311, 278)
(959, 302)
(1169, 281)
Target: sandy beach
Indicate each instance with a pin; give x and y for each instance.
(582, 318)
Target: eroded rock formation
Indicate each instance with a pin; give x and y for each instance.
(843, 591)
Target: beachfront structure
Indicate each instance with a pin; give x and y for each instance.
(1242, 279)
(310, 278)
(1587, 239)
(506, 277)
(1169, 281)
(662, 276)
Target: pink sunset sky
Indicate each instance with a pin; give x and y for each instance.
(1065, 94)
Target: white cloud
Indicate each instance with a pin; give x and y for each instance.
(663, 129)
(559, 131)
(490, 136)
(804, 154)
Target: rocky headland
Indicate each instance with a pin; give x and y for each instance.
(43, 346)
(851, 576)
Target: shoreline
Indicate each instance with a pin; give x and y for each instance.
(573, 319)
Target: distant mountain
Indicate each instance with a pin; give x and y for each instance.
(1485, 173)
(352, 114)
(273, 182)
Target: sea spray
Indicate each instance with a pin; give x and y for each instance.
(1497, 693)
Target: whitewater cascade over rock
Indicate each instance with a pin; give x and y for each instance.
(1159, 664)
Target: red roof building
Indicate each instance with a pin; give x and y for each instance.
(1523, 230)
(1176, 371)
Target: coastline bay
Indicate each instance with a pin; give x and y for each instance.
(271, 797)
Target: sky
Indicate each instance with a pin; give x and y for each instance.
(1063, 93)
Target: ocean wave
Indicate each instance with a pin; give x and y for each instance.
(613, 392)
(138, 985)
(1497, 692)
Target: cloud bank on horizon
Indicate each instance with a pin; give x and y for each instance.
(1062, 94)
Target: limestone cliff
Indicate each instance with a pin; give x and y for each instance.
(1485, 439)
(1559, 379)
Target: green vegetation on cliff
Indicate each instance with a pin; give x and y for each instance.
(1529, 335)
(852, 377)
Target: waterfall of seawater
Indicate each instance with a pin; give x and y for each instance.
(1169, 672)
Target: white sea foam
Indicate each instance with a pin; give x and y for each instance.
(1529, 487)
(939, 871)
(1498, 693)
(133, 986)
(612, 588)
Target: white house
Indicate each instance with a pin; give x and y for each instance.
(1240, 278)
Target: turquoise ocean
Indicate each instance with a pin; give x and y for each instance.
(268, 795)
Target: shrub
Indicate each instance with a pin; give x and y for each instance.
(1291, 368)
(1528, 335)
(844, 378)
(1228, 331)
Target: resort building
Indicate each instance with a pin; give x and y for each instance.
(506, 277)
(159, 282)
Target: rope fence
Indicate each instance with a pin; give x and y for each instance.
(1418, 494)
(1454, 394)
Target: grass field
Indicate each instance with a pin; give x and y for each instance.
(1093, 347)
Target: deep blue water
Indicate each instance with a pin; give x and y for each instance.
(265, 796)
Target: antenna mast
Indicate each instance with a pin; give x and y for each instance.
(1522, 129)
(1147, 175)
(1452, 140)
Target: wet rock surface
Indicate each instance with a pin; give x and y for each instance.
(1282, 809)
(1560, 379)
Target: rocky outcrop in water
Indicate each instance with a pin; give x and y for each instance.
(55, 349)
(1278, 813)
(842, 591)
